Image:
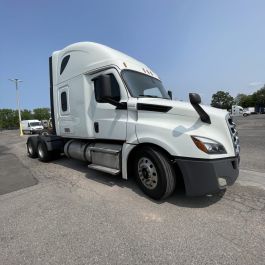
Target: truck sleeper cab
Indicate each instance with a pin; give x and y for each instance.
(113, 112)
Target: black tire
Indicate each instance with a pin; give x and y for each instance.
(44, 132)
(160, 181)
(245, 115)
(31, 149)
(43, 154)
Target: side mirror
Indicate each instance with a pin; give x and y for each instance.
(169, 92)
(103, 91)
(103, 87)
(195, 98)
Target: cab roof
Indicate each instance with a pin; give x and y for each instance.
(84, 57)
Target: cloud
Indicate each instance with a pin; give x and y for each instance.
(256, 83)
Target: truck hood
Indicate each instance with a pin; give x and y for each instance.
(182, 108)
(170, 123)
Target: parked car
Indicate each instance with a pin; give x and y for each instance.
(246, 112)
(31, 126)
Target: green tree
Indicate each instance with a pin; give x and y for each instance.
(26, 114)
(222, 100)
(247, 101)
(259, 97)
(239, 98)
(8, 119)
(41, 113)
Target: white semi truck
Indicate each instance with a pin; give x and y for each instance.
(113, 112)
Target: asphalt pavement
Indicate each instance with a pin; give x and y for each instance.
(13, 174)
(64, 213)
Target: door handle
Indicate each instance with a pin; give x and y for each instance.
(96, 127)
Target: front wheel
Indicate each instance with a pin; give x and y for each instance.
(154, 173)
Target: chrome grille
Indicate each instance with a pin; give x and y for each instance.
(234, 134)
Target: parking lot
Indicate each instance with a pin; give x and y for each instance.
(64, 213)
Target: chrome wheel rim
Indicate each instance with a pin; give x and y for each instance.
(40, 151)
(30, 148)
(147, 173)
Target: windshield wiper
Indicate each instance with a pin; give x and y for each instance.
(149, 96)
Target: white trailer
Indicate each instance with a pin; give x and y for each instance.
(237, 110)
(31, 126)
(113, 112)
(252, 110)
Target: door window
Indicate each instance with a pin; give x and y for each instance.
(64, 101)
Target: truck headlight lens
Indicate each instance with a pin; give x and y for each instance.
(208, 146)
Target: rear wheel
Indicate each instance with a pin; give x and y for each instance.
(154, 173)
(43, 153)
(245, 115)
(32, 152)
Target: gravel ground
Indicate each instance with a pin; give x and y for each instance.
(78, 216)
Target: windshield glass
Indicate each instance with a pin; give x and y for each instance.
(35, 124)
(141, 85)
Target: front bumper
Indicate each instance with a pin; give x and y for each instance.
(37, 131)
(208, 176)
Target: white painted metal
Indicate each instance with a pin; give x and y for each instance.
(111, 121)
(237, 110)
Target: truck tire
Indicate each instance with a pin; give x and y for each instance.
(245, 114)
(43, 154)
(31, 148)
(45, 132)
(154, 173)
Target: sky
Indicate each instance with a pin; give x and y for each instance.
(193, 45)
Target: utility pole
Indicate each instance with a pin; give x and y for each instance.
(17, 81)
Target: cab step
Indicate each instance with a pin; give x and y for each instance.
(108, 170)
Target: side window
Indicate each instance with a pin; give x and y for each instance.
(64, 101)
(115, 89)
(64, 63)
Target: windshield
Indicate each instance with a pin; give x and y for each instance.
(141, 85)
(35, 124)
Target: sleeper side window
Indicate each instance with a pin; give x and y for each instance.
(115, 89)
(64, 101)
(64, 63)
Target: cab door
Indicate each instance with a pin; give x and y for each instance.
(64, 118)
(110, 121)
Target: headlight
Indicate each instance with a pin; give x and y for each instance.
(208, 146)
